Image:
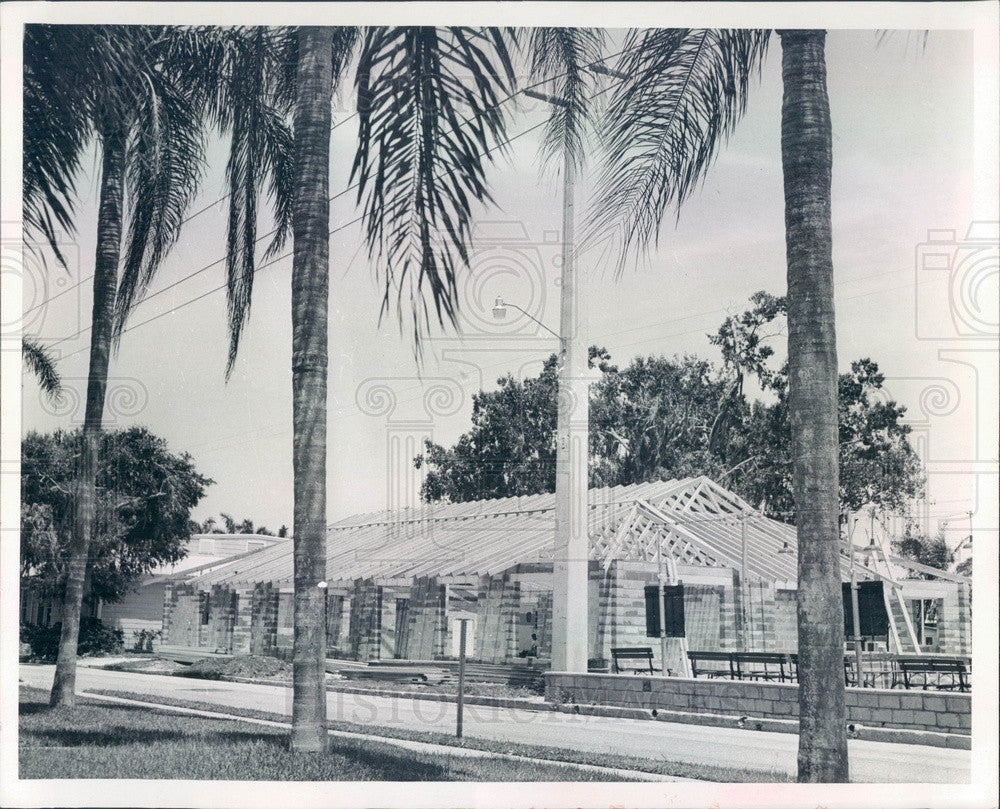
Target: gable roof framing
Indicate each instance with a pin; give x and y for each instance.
(691, 520)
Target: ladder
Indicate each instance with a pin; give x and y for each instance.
(895, 604)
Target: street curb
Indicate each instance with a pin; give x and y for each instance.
(469, 699)
(407, 744)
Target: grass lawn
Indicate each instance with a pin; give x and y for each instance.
(542, 753)
(98, 740)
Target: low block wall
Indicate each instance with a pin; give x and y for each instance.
(943, 712)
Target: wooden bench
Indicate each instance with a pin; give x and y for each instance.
(644, 653)
(763, 666)
(697, 658)
(948, 673)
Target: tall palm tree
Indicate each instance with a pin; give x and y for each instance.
(111, 84)
(310, 301)
(806, 159)
(682, 92)
(429, 108)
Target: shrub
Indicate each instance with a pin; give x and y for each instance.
(95, 639)
(143, 639)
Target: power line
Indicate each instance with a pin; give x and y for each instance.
(209, 292)
(257, 269)
(509, 97)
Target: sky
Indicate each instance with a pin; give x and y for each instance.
(903, 128)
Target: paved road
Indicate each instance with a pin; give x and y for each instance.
(871, 762)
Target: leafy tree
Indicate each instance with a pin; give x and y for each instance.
(510, 449)
(930, 551)
(664, 418)
(145, 495)
(655, 420)
(878, 465)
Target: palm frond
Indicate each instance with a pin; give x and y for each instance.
(56, 132)
(682, 93)
(561, 57)
(41, 364)
(430, 118)
(164, 167)
(253, 105)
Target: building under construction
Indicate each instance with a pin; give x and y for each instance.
(398, 582)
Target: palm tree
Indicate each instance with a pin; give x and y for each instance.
(429, 107)
(806, 158)
(112, 84)
(310, 296)
(681, 92)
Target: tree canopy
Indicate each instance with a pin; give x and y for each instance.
(145, 495)
(660, 418)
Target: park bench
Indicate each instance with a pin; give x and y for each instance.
(943, 673)
(644, 653)
(763, 666)
(699, 658)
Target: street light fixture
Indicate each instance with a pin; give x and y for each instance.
(500, 313)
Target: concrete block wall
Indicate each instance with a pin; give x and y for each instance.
(181, 615)
(624, 608)
(264, 619)
(362, 621)
(366, 620)
(762, 617)
(703, 616)
(786, 621)
(242, 635)
(909, 710)
(426, 620)
(338, 617)
(387, 636)
(544, 625)
(284, 638)
(217, 634)
(496, 612)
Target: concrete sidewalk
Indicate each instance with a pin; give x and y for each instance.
(871, 762)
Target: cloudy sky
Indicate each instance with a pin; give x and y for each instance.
(903, 133)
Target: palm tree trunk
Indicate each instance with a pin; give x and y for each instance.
(109, 232)
(806, 151)
(310, 293)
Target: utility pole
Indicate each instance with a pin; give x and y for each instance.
(569, 564)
